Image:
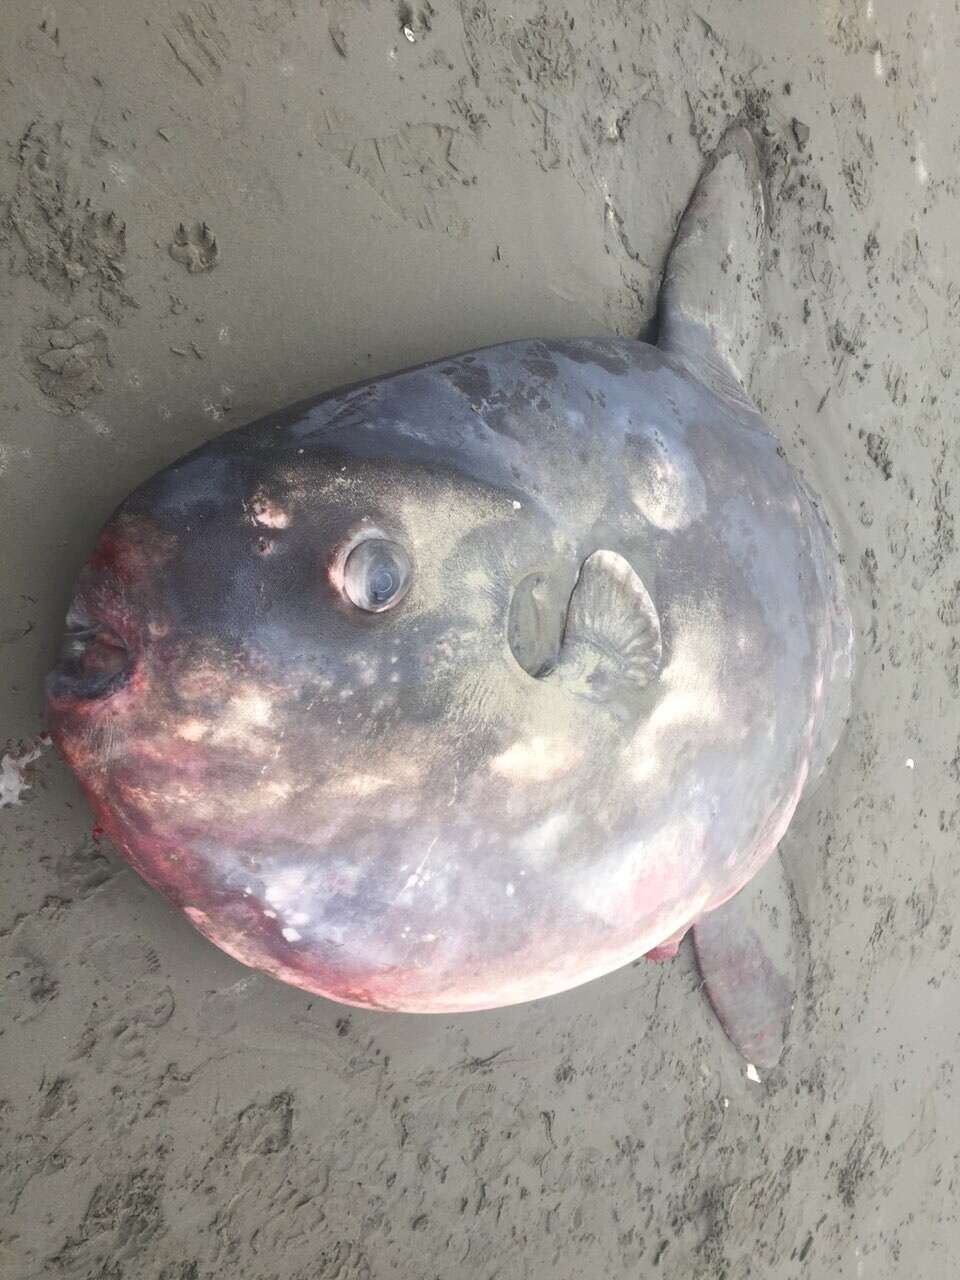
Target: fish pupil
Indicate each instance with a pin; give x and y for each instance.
(381, 585)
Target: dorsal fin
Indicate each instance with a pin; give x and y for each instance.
(710, 308)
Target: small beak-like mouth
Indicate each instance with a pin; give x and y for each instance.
(96, 661)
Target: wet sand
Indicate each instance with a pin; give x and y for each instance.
(208, 209)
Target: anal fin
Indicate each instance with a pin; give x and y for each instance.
(747, 961)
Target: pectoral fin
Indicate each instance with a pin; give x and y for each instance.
(611, 647)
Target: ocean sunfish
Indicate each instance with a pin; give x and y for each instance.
(468, 684)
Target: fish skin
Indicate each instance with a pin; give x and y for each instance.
(388, 809)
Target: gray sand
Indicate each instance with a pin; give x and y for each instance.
(372, 201)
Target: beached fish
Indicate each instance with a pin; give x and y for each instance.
(473, 682)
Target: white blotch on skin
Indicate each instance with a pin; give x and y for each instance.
(692, 700)
(192, 730)
(665, 485)
(247, 713)
(358, 784)
(537, 759)
(286, 890)
(268, 514)
(367, 669)
(252, 708)
(539, 845)
(291, 935)
(510, 891)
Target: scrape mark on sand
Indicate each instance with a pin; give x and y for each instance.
(197, 42)
(415, 172)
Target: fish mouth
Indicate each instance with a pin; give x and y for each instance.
(96, 658)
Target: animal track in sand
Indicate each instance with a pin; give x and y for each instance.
(59, 238)
(68, 359)
(195, 247)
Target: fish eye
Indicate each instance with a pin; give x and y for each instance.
(377, 575)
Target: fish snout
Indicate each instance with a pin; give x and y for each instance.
(97, 657)
(111, 614)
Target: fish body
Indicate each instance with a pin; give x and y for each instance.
(467, 684)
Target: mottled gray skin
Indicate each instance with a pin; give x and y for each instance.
(390, 809)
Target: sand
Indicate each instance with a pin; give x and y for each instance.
(210, 208)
